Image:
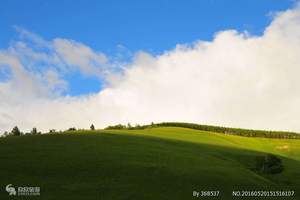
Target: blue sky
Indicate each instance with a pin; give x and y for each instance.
(152, 26)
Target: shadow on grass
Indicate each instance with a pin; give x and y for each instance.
(117, 166)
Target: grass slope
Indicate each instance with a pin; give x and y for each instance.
(157, 163)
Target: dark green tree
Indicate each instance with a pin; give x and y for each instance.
(92, 127)
(33, 131)
(5, 134)
(15, 131)
(52, 131)
(269, 164)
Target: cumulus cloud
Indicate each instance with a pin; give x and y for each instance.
(235, 80)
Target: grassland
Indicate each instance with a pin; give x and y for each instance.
(155, 163)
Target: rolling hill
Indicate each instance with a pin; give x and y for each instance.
(154, 163)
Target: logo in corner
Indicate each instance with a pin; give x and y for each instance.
(11, 190)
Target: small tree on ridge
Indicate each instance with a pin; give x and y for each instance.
(15, 131)
(92, 127)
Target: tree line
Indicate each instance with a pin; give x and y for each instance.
(16, 131)
(216, 129)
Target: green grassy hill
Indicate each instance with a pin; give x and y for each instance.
(155, 163)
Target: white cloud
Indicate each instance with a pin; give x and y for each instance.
(75, 54)
(235, 80)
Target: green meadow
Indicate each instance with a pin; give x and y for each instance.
(150, 164)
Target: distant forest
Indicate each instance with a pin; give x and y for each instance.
(217, 129)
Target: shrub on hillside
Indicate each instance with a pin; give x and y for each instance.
(15, 131)
(52, 131)
(34, 132)
(92, 127)
(5, 134)
(269, 164)
(116, 127)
